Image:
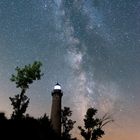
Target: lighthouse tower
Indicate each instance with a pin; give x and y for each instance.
(56, 109)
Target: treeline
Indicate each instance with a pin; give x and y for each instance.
(27, 128)
(23, 126)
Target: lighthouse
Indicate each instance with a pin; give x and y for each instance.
(56, 109)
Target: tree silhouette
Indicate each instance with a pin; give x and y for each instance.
(23, 78)
(2, 116)
(67, 123)
(93, 126)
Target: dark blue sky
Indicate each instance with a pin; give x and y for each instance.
(91, 47)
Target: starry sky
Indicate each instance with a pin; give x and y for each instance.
(91, 47)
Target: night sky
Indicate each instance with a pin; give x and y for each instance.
(91, 47)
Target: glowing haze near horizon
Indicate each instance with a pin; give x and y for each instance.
(91, 47)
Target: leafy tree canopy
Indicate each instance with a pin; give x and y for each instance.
(67, 123)
(23, 78)
(93, 126)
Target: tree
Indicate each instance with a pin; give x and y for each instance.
(2, 116)
(67, 123)
(93, 126)
(23, 78)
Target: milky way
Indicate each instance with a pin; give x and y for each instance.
(90, 47)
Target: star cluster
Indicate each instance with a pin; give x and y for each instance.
(90, 46)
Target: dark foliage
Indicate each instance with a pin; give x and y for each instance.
(23, 78)
(93, 126)
(67, 123)
(28, 128)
